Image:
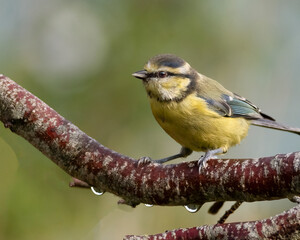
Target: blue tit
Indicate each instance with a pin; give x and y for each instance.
(196, 111)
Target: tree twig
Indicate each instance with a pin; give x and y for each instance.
(214, 209)
(78, 183)
(232, 209)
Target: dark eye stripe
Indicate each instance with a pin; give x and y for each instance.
(156, 75)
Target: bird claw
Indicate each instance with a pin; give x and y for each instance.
(211, 154)
(202, 162)
(144, 160)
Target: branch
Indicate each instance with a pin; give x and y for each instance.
(282, 226)
(84, 158)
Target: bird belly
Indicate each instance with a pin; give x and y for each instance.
(196, 127)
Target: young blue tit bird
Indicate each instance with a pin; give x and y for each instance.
(196, 111)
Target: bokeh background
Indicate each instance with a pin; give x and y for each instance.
(78, 57)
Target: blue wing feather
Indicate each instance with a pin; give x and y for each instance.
(242, 107)
(235, 106)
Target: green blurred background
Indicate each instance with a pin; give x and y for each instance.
(78, 57)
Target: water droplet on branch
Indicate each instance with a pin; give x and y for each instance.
(97, 191)
(148, 205)
(192, 208)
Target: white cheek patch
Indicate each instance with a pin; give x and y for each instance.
(157, 90)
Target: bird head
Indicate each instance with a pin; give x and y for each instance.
(167, 77)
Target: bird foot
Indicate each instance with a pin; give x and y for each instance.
(211, 154)
(144, 161)
(202, 161)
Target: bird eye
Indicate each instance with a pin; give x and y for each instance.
(162, 74)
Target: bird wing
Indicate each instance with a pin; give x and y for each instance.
(235, 106)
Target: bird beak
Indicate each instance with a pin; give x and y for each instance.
(140, 74)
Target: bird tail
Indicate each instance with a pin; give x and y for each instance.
(263, 122)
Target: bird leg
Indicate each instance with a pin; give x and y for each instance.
(209, 154)
(184, 152)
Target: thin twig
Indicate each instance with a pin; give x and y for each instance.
(234, 207)
(78, 183)
(214, 209)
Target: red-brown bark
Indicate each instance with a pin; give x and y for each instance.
(283, 226)
(83, 157)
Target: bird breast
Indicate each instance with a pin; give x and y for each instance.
(193, 125)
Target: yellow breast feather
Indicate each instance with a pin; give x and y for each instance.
(193, 125)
